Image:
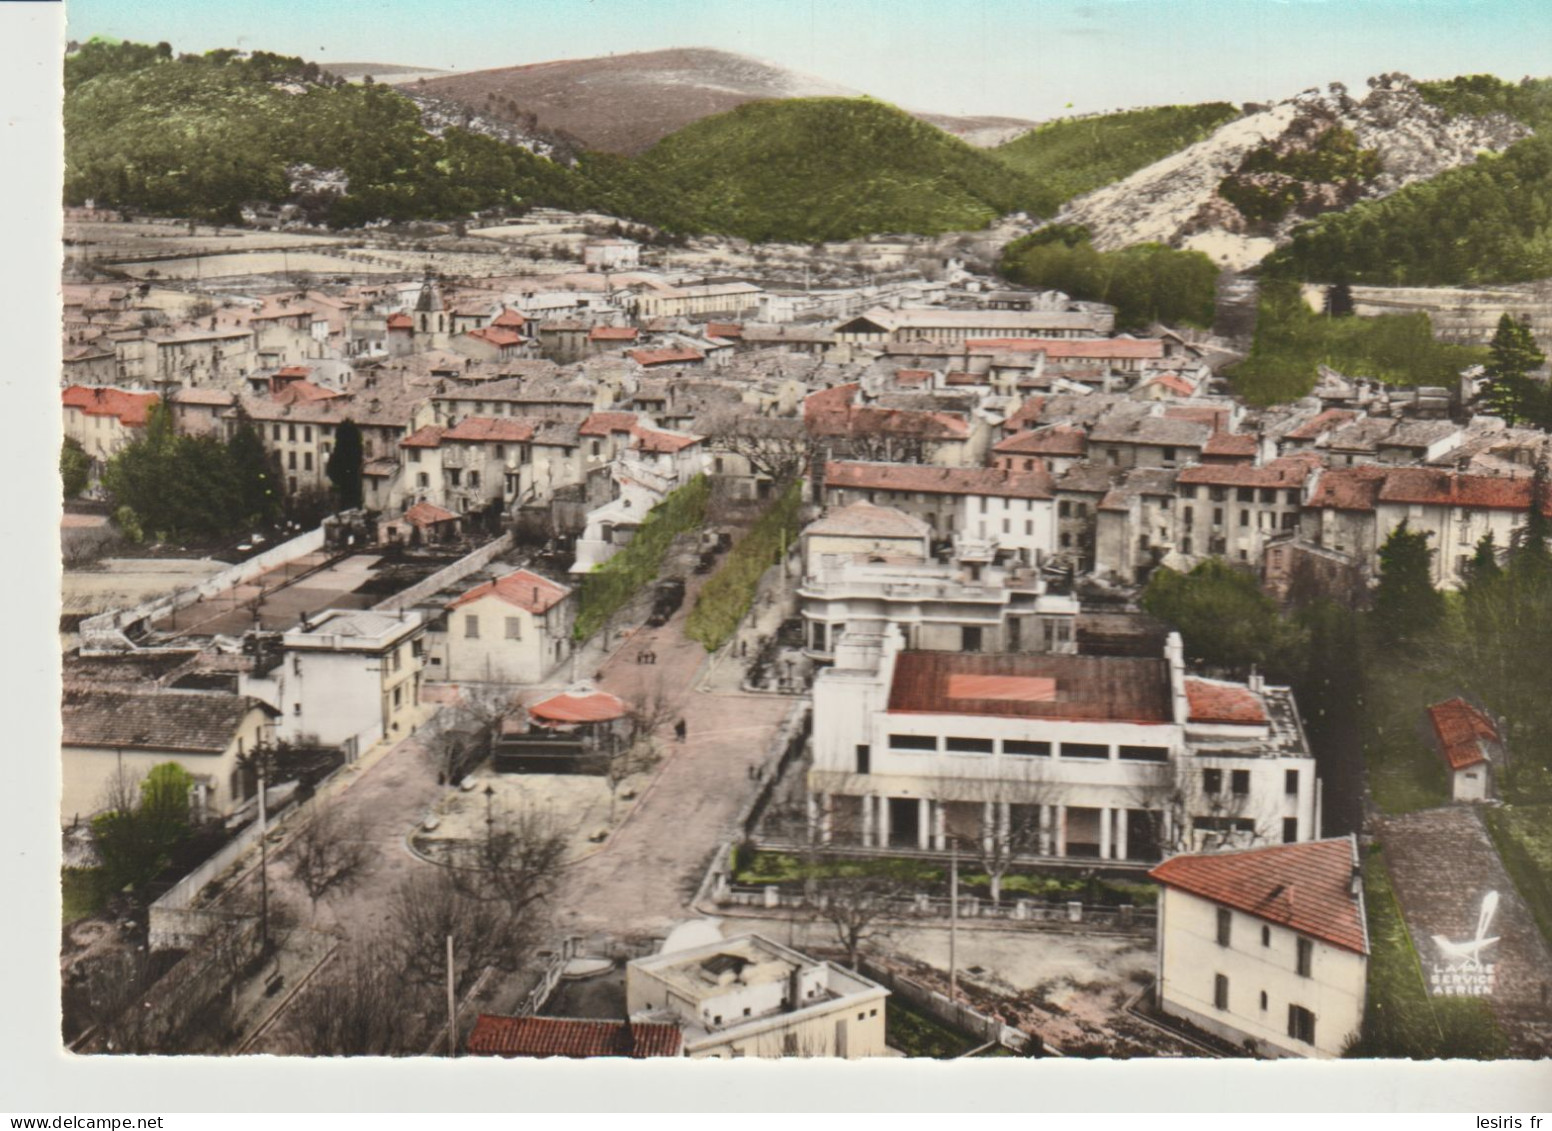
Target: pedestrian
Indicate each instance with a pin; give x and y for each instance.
(743, 649)
(679, 730)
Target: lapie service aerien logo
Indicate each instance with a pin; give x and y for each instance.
(1465, 970)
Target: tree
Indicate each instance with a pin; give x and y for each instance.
(853, 903)
(1406, 604)
(428, 907)
(345, 465)
(142, 821)
(1509, 391)
(74, 467)
(1339, 300)
(329, 854)
(1224, 619)
(360, 1005)
(776, 448)
(1483, 569)
(515, 863)
(258, 481)
(461, 736)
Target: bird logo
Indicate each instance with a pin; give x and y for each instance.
(1468, 955)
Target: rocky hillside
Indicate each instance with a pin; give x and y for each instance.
(625, 104)
(1239, 193)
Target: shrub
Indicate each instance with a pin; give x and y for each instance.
(726, 597)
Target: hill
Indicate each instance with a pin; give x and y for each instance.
(1077, 155)
(811, 170)
(1240, 192)
(1487, 222)
(625, 104)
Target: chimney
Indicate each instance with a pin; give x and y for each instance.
(794, 1000)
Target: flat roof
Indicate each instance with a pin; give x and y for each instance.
(1075, 688)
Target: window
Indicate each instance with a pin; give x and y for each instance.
(1217, 516)
(1291, 782)
(423, 480)
(864, 758)
(277, 434)
(1025, 749)
(471, 627)
(307, 433)
(514, 628)
(291, 460)
(1269, 495)
(398, 659)
(1187, 514)
(1212, 781)
(1113, 456)
(455, 476)
(1306, 957)
(1029, 528)
(1245, 494)
(1266, 936)
(913, 742)
(1290, 830)
(307, 461)
(1145, 753)
(1225, 926)
(1290, 520)
(291, 432)
(1185, 546)
(501, 451)
(397, 692)
(1263, 1001)
(414, 455)
(1085, 750)
(1216, 494)
(969, 745)
(1301, 1024)
(1220, 991)
(1244, 518)
(1239, 782)
(1064, 509)
(1007, 526)
(1083, 510)
(1066, 541)
(474, 478)
(1169, 455)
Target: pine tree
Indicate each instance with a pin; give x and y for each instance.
(1510, 392)
(1406, 604)
(345, 465)
(1483, 569)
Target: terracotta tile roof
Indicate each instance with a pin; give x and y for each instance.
(102, 400)
(499, 336)
(995, 482)
(1053, 440)
(193, 722)
(1169, 431)
(592, 707)
(204, 396)
(613, 334)
(380, 468)
(428, 514)
(509, 319)
(1231, 445)
(428, 437)
(912, 377)
(1462, 729)
(655, 441)
(294, 371)
(1347, 488)
(1290, 471)
(1218, 418)
(1028, 414)
(490, 429)
(1431, 487)
(960, 377)
(400, 321)
(1306, 887)
(868, 420)
(1029, 685)
(303, 392)
(525, 589)
(675, 356)
(724, 330)
(1175, 383)
(1313, 428)
(871, 521)
(1214, 701)
(603, 423)
(1119, 348)
(572, 1037)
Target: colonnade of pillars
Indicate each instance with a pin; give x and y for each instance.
(996, 820)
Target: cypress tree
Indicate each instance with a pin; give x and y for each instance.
(1510, 392)
(258, 487)
(345, 464)
(1406, 604)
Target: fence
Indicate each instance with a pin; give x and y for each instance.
(447, 575)
(1074, 915)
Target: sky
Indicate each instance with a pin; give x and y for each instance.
(1020, 58)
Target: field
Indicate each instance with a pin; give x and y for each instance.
(1523, 836)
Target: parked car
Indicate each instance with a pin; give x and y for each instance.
(669, 595)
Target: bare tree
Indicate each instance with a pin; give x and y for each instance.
(429, 908)
(777, 448)
(852, 902)
(328, 854)
(1014, 804)
(360, 1005)
(461, 737)
(515, 863)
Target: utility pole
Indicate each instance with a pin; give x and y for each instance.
(953, 919)
(452, 1004)
(263, 853)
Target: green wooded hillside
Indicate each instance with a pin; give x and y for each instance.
(1071, 157)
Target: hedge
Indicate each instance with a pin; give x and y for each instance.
(727, 595)
(611, 584)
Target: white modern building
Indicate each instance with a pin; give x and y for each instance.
(1266, 948)
(748, 996)
(348, 678)
(1103, 757)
